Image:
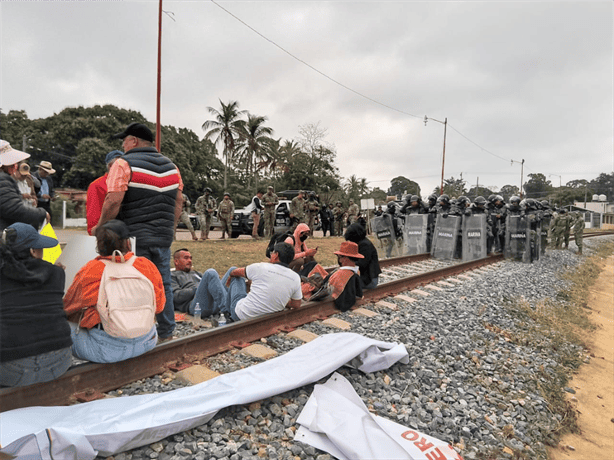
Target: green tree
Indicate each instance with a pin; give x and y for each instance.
(452, 187)
(475, 192)
(508, 191)
(401, 185)
(603, 185)
(224, 129)
(356, 188)
(253, 138)
(537, 186)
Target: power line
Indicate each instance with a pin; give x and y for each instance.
(310, 66)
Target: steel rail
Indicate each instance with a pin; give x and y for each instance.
(86, 381)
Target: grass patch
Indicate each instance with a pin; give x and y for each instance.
(553, 324)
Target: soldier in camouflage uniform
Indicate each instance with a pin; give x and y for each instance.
(560, 229)
(185, 216)
(578, 230)
(225, 212)
(313, 209)
(270, 202)
(353, 211)
(205, 206)
(297, 210)
(338, 213)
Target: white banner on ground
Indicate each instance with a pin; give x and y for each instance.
(336, 420)
(109, 426)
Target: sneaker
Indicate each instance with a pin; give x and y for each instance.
(166, 339)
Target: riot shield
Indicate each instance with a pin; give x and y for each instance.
(474, 237)
(445, 237)
(544, 234)
(383, 228)
(415, 234)
(536, 240)
(517, 238)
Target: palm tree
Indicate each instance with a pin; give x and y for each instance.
(224, 129)
(254, 137)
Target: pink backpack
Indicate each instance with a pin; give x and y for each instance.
(126, 299)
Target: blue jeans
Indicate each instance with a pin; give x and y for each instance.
(214, 297)
(99, 347)
(372, 284)
(35, 369)
(161, 257)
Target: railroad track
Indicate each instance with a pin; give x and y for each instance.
(88, 381)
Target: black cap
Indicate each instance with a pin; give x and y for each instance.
(119, 227)
(137, 130)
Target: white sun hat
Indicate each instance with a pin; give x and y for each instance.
(9, 155)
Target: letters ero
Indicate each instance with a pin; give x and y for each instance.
(421, 443)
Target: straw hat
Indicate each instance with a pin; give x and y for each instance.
(46, 165)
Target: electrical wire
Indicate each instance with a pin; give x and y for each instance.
(310, 66)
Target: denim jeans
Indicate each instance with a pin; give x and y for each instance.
(99, 347)
(161, 257)
(214, 297)
(372, 284)
(35, 369)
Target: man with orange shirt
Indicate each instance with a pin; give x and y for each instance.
(144, 190)
(97, 191)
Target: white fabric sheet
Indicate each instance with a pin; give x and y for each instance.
(109, 426)
(336, 420)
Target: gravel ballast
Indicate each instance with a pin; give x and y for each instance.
(467, 382)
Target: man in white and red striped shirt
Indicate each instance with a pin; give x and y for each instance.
(144, 190)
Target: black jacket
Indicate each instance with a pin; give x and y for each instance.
(32, 319)
(13, 208)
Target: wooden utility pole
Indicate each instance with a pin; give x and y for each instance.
(159, 86)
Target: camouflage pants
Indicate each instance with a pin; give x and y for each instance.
(311, 220)
(226, 222)
(205, 224)
(185, 218)
(269, 223)
(338, 227)
(578, 236)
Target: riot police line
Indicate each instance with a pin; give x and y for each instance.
(459, 229)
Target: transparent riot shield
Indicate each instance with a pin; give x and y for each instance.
(383, 228)
(535, 239)
(544, 234)
(517, 238)
(415, 234)
(445, 237)
(474, 237)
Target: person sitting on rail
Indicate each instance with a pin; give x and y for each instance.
(302, 255)
(112, 302)
(34, 334)
(368, 266)
(343, 283)
(184, 280)
(273, 287)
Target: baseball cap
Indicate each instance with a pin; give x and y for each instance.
(27, 237)
(137, 130)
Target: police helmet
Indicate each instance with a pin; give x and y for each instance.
(480, 201)
(444, 199)
(491, 198)
(208, 190)
(414, 198)
(227, 194)
(545, 204)
(433, 197)
(462, 200)
(530, 203)
(499, 198)
(515, 200)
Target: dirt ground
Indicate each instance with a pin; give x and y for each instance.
(594, 383)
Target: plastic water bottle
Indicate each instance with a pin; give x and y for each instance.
(197, 311)
(222, 320)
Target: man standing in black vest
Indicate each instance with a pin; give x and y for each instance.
(144, 190)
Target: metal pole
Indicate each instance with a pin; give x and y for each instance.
(158, 129)
(521, 176)
(443, 158)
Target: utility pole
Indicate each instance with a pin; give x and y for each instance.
(443, 158)
(159, 86)
(521, 173)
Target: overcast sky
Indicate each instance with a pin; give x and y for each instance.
(522, 80)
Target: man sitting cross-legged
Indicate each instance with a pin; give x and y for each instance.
(184, 280)
(273, 287)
